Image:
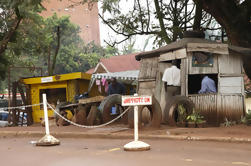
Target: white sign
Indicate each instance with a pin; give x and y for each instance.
(136, 100)
(46, 79)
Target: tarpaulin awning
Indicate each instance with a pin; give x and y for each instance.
(124, 75)
(130, 77)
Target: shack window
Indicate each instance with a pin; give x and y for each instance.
(53, 95)
(202, 59)
(194, 82)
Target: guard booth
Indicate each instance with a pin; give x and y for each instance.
(62, 88)
(197, 56)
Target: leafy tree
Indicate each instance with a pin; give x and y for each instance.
(73, 55)
(40, 47)
(166, 19)
(235, 17)
(93, 53)
(12, 14)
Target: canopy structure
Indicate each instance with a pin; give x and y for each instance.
(122, 76)
(129, 77)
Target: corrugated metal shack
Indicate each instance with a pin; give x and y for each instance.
(221, 62)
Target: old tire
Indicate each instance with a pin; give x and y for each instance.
(106, 106)
(155, 111)
(131, 118)
(171, 110)
(194, 34)
(92, 115)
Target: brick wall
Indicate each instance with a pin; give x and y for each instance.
(82, 15)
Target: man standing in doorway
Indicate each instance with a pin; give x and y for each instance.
(171, 77)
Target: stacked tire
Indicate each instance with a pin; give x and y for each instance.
(155, 113)
(106, 107)
(171, 111)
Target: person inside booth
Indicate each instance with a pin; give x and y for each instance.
(116, 87)
(207, 85)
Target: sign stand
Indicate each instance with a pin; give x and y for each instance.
(136, 145)
(47, 140)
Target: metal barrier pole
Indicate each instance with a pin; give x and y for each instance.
(136, 122)
(47, 131)
(47, 140)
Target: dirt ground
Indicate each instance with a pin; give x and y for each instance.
(236, 131)
(107, 152)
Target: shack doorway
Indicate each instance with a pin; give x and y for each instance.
(194, 82)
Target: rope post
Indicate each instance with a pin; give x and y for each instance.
(47, 140)
(136, 122)
(47, 131)
(136, 100)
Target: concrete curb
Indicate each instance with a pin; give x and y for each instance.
(29, 134)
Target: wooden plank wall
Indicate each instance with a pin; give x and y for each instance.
(208, 47)
(230, 107)
(207, 105)
(147, 76)
(183, 76)
(215, 108)
(177, 54)
(231, 77)
(146, 87)
(230, 64)
(231, 85)
(148, 68)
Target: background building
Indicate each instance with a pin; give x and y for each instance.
(86, 16)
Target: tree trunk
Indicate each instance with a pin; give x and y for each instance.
(198, 17)
(161, 22)
(51, 71)
(235, 19)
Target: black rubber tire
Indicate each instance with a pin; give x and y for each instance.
(131, 118)
(155, 111)
(171, 109)
(194, 34)
(106, 105)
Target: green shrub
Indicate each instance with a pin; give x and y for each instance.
(195, 117)
(182, 114)
(228, 123)
(248, 117)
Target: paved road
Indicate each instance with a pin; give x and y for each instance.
(105, 152)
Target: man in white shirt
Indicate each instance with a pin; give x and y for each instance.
(171, 77)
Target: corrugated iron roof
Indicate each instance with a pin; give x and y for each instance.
(121, 63)
(182, 43)
(90, 71)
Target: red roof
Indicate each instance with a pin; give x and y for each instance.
(121, 63)
(90, 71)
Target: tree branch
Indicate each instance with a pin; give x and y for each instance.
(198, 16)
(56, 51)
(9, 35)
(161, 22)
